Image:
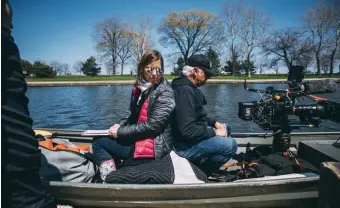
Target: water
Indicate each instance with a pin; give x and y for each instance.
(99, 107)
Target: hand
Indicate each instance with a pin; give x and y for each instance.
(113, 131)
(221, 132)
(219, 125)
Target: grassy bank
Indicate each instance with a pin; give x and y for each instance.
(128, 77)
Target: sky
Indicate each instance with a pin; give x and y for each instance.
(60, 30)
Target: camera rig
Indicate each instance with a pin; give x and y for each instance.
(272, 111)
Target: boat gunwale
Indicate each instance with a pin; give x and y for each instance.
(244, 184)
(240, 134)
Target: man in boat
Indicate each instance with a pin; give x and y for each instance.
(20, 157)
(199, 138)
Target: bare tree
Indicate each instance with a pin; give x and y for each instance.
(125, 45)
(107, 35)
(318, 23)
(108, 65)
(57, 66)
(60, 68)
(333, 42)
(306, 59)
(232, 19)
(141, 41)
(264, 64)
(286, 45)
(253, 29)
(65, 69)
(324, 63)
(191, 31)
(77, 67)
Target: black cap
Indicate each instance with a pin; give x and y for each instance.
(202, 61)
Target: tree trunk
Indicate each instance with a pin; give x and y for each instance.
(331, 63)
(186, 57)
(113, 66)
(122, 68)
(248, 65)
(318, 64)
(233, 59)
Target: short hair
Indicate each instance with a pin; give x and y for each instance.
(187, 71)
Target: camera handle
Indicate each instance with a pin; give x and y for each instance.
(281, 141)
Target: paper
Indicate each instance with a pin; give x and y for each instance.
(96, 132)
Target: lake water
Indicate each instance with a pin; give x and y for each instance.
(99, 107)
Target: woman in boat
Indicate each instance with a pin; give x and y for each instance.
(145, 132)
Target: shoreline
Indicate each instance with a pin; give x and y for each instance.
(130, 82)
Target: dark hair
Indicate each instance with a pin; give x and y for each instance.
(147, 58)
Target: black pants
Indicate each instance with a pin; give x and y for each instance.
(20, 156)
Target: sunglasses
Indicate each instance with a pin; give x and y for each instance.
(151, 69)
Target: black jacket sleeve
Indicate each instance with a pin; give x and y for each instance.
(211, 121)
(159, 118)
(125, 120)
(185, 115)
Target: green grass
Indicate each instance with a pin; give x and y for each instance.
(169, 77)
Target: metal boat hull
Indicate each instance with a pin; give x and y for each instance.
(293, 192)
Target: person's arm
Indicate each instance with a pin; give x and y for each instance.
(214, 123)
(211, 121)
(125, 120)
(159, 118)
(185, 115)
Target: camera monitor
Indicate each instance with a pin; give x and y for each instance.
(296, 74)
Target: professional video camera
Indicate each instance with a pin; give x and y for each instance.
(272, 111)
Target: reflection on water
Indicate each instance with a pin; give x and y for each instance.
(98, 107)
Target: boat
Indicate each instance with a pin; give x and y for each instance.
(274, 192)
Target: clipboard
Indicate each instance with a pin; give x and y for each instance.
(96, 133)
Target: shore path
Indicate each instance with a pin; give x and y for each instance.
(130, 82)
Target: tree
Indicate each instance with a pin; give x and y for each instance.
(231, 19)
(190, 31)
(275, 65)
(141, 41)
(253, 29)
(66, 70)
(324, 63)
(27, 68)
(107, 36)
(178, 66)
(214, 59)
(43, 70)
(125, 44)
(90, 67)
(287, 46)
(108, 65)
(263, 64)
(57, 67)
(318, 23)
(333, 42)
(306, 60)
(233, 67)
(248, 67)
(77, 67)
(60, 68)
